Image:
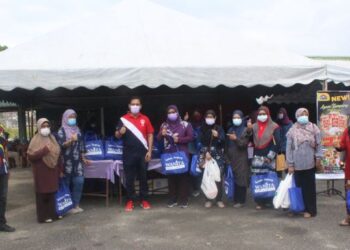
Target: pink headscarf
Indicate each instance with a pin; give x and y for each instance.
(69, 130)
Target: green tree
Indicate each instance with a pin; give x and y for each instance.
(3, 47)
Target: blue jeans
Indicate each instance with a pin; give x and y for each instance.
(75, 184)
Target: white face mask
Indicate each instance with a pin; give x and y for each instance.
(45, 131)
(262, 118)
(237, 121)
(280, 116)
(135, 109)
(210, 121)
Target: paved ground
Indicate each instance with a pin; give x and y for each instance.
(162, 228)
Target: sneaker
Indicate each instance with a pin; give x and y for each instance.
(185, 205)
(220, 204)
(196, 193)
(48, 221)
(129, 206)
(79, 209)
(208, 204)
(73, 211)
(6, 228)
(238, 205)
(145, 205)
(60, 217)
(172, 204)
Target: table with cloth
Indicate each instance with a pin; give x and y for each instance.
(107, 169)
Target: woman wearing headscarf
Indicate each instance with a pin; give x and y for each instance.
(176, 135)
(237, 154)
(44, 154)
(285, 124)
(72, 145)
(212, 140)
(303, 147)
(266, 136)
(344, 145)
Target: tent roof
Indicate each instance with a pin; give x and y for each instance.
(138, 42)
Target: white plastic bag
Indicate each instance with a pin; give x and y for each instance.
(281, 198)
(210, 176)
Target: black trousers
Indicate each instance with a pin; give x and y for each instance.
(179, 185)
(305, 179)
(3, 197)
(135, 166)
(240, 194)
(45, 207)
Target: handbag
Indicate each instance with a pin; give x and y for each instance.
(264, 185)
(63, 198)
(174, 163)
(113, 149)
(229, 183)
(195, 169)
(280, 162)
(296, 199)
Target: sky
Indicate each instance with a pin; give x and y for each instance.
(306, 27)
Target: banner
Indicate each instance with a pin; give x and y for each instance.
(333, 110)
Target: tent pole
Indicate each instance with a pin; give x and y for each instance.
(22, 132)
(102, 117)
(325, 85)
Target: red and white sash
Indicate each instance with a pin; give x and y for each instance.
(135, 131)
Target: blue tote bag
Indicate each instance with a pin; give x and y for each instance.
(264, 185)
(195, 169)
(113, 149)
(64, 201)
(229, 183)
(296, 199)
(174, 163)
(94, 148)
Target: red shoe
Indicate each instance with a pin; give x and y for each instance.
(145, 205)
(129, 206)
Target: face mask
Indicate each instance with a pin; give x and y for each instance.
(304, 119)
(210, 121)
(135, 109)
(280, 116)
(237, 121)
(172, 116)
(45, 131)
(72, 121)
(262, 118)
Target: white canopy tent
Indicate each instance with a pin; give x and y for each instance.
(138, 42)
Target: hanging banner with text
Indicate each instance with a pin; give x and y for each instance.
(333, 111)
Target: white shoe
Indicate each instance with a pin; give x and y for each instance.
(220, 204)
(79, 209)
(74, 211)
(238, 205)
(208, 204)
(48, 221)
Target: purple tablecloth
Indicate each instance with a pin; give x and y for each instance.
(106, 169)
(101, 170)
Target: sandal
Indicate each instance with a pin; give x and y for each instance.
(258, 207)
(307, 215)
(344, 223)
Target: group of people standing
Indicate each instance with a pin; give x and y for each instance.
(299, 142)
(60, 157)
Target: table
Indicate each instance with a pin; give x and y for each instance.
(331, 178)
(101, 170)
(106, 169)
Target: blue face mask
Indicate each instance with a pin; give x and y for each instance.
(237, 121)
(72, 121)
(304, 119)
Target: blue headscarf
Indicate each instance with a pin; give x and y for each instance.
(238, 129)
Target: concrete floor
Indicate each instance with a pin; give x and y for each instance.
(163, 228)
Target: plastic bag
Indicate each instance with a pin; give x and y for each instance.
(210, 176)
(281, 198)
